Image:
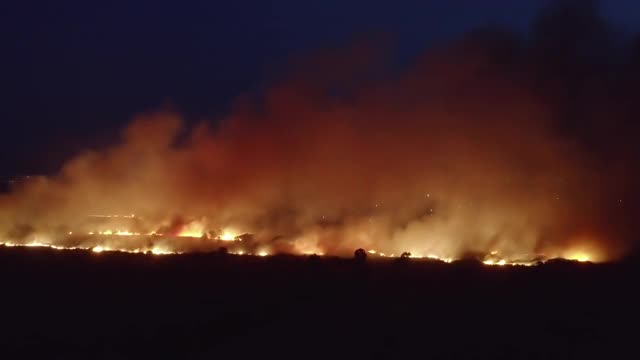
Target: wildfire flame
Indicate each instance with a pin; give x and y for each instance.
(227, 236)
(157, 243)
(159, 250)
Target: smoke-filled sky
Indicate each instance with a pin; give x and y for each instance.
(74, 72)
(431, 128)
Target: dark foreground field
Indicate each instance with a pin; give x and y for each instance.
(82, 305)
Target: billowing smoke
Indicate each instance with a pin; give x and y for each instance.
(460, 154)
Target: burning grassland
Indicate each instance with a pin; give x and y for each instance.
(187, 240)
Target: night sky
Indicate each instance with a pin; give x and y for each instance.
(73, 73)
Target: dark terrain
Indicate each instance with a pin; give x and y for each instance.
(82, 305)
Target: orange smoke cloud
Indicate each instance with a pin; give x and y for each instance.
(453, 157)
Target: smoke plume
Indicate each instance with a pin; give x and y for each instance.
(461, 153)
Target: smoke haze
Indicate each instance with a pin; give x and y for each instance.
(465, 152)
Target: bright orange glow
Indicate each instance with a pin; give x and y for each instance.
(228, 236)
(190, 233)
(106, 241)
(581, 257)
(160, 251)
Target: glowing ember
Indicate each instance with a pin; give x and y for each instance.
(501, 262)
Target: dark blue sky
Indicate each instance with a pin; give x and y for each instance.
(74, 72)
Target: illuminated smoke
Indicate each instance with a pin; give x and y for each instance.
(454, 157)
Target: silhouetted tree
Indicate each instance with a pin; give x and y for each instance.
(405, 255)
(360, 255)
(314, 259)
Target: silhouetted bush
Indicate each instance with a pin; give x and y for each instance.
(360, 255)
